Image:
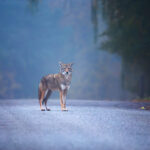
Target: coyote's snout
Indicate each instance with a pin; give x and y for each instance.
(51, 82)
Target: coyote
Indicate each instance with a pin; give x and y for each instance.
(60, 82)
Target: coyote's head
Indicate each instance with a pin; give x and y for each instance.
(66, 69)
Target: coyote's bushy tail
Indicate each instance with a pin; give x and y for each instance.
(39, 93)
(47, 93)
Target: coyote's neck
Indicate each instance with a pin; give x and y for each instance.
(66, 76)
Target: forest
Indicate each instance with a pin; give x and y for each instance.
(128, 35)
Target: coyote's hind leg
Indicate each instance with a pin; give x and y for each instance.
(46, 99)
(41, 99)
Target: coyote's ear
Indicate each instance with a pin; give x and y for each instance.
(60, 63)
(71, 64)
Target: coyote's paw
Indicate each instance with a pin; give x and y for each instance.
(64, 109)
(48, 109)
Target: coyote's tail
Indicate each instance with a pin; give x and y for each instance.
(39, 93)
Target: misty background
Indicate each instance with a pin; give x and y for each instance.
(107, 40)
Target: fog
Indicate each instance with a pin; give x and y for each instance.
(36, 34)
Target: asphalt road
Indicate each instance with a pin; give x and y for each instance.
(88, 125)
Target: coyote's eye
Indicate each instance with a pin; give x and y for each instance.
(70, 69)
(63, 69)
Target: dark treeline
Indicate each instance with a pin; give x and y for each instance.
(127, 34)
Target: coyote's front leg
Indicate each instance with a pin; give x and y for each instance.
(63, 100)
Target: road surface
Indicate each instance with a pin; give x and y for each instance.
(88, 125)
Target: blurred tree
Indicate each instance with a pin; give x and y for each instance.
(33, 5)
(128, 35)
(94, 7)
